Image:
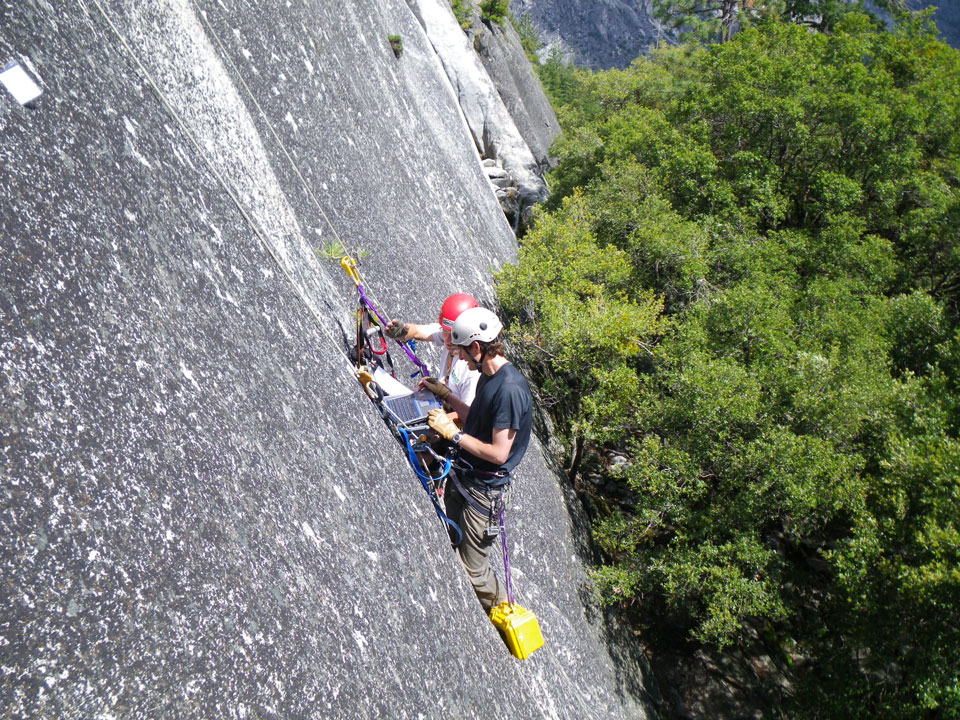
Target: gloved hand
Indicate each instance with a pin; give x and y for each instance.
(436, 387)
(397, 330)
(439, 421)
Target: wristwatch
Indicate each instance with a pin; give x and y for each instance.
(457, 438)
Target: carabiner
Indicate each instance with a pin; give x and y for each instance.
(350, 267)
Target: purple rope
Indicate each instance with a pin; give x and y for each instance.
(410, 354)
(506, 558)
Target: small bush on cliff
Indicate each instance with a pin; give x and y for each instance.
(396, 44)
(334, 249)
(494, 11)
(462, 10)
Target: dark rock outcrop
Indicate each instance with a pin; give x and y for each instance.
(598, 35)
(202, 515)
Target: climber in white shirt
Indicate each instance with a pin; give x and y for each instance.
(455, 378)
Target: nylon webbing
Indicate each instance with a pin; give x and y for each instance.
(472, 501)
(508, 576)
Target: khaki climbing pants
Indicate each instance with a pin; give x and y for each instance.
(474, 549)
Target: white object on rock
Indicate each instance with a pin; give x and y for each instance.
(20, 85)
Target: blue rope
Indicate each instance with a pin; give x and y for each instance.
(425, 480)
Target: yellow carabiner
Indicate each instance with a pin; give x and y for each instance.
(350, 266)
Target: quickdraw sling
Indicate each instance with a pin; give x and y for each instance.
(370, 321)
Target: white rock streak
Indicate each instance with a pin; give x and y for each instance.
(173, 43)
(493, 129)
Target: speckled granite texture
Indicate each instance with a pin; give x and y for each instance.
(202, 517)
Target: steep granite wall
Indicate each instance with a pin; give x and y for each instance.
(518, 155)
(503, 57)
(202, 516)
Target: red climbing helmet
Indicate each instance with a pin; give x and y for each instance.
(453, 306)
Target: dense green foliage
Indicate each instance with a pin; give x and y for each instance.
(719, 20)
(747, 286)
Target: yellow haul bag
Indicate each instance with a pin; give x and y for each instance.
(518, 627)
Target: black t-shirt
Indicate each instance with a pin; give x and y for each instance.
(502, 401)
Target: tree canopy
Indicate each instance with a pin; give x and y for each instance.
(741, 307)
(719, 20)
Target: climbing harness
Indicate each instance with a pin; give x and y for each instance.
(465, 475)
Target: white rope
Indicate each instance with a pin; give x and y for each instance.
(220, 178)
(355, 250)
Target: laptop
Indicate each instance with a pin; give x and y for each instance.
(411, 410)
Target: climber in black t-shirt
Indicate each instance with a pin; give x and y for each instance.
(494, 438)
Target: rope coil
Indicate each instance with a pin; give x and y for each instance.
(429, 482)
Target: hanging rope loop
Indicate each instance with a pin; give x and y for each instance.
(431, 484)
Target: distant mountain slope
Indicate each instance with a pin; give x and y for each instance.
(602, 34)
(947, 18)
(611, 33)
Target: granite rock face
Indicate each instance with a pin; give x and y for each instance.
(505, 63)
(503, 57)
(202, 514)
(491, 103)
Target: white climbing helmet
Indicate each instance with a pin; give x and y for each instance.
(477, 324)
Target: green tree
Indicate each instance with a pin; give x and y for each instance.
(462, 11)
(494, 11)
(529, 38)
(707, 19)
(746, 287)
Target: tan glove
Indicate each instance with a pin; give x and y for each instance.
(436, 387)
(397, 330)
(439, 421)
